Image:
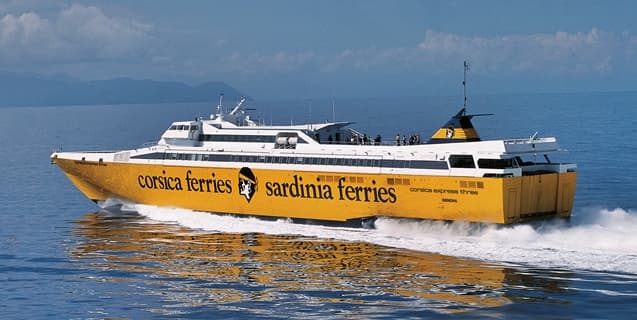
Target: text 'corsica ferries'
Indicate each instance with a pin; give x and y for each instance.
(326, 172)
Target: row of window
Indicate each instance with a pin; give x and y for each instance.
(384, 163)
(466, 161)
(236, 138)
(243, 138)
(183, 127)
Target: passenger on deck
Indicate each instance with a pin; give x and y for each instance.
(377, 140)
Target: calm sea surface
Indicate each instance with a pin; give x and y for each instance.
(61, 256)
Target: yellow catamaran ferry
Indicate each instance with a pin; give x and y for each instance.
(327, 172)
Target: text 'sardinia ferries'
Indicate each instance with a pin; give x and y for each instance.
(328, 173)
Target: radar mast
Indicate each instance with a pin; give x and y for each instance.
(464, 87)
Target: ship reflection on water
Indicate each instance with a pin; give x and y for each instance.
(189, 269)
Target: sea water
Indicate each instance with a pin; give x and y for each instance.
(62, 256)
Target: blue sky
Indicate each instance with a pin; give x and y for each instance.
(307, 49)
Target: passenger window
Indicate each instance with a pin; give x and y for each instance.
(495, 163)
(461, 161)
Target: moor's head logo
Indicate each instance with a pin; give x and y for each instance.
(450, 133)
(247, 183)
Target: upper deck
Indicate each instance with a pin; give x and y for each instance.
(238, 133)
(233, 139)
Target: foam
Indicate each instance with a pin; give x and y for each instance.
(595, 239)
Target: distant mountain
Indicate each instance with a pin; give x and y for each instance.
(38, 90)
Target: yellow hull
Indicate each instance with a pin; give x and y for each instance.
(325, 196)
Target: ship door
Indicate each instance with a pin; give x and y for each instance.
(193, 133)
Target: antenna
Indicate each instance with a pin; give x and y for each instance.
(309, 123)
(238, 106)
(464, 86)
(220, 103)
(333, 110)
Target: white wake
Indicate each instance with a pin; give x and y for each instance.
(594, 239)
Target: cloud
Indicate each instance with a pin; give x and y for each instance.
(89, 42)
(559, 52)
(557, 55)
(77, 33)
(107, 37)
(595, 51)
(20, 35)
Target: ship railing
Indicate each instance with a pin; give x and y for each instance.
(96, 151)
(528, 141)
(370, 143)
(548, 167)
(148, 144)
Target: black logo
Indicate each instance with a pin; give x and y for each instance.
(247, 183)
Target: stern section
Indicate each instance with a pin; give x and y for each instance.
(540, 195)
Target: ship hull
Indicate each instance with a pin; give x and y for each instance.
(326, 196)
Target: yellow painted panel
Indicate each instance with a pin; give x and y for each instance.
(566, 193)
(90, 191)
(315, 195)
(458, 133)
